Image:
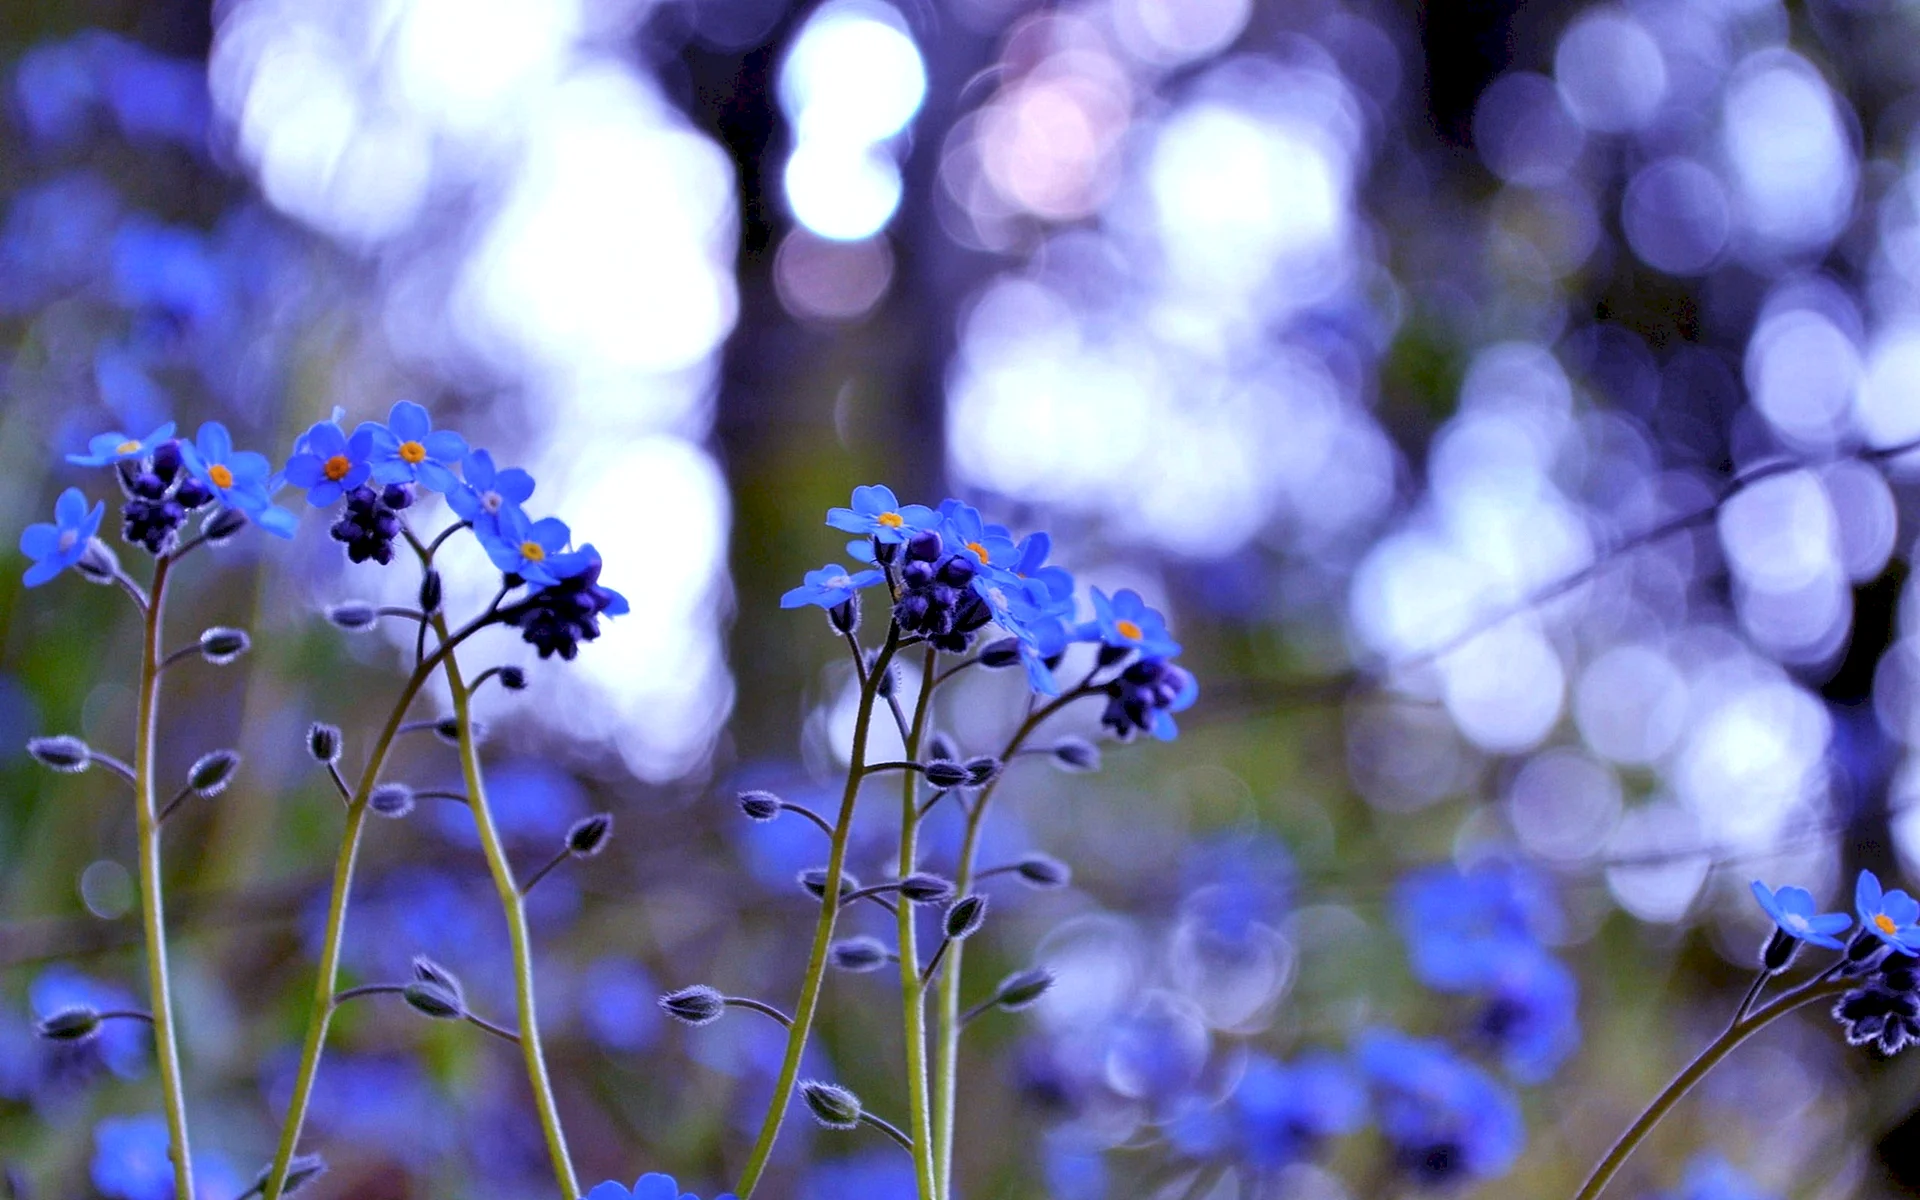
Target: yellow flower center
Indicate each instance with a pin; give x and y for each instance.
(413, 452)
(1129, 630)
(336, 468)
(533, 551)
(127, 447)
(220, 475)
(891, 520)
(980, 550)
(1884, 924)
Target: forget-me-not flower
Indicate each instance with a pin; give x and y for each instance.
(488, 491)
(878, 514)
(53, 548)
(965, 531)
(1447, 1120)
(1794, 911)
(1126, 623)
(527, 548)
(105, 449)
(829, 587)
(408, 449)
(651, 1186)
(1893, 917)
(330, 464)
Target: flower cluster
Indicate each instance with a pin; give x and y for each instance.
(1478, 933)
(952, 575)
(372, 476)
(1883, 1011)
(1448, 1121)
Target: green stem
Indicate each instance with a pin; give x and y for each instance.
(1696, 1070)
(912, 987)
(513, 904)
(153, 914)
(822, 932)
(947, 1016)
(320, 1012)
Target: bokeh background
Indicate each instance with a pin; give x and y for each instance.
(1365, 340)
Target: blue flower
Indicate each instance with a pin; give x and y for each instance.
(877, 514)
(557, 618)
(829, 587)
(487, 492)
(1463, 927)
(651, 1186)
(1794, 911)
(1030, 562)
(1020, 606)
(1889, 916)
(54, 548)
(1145, 697)
(1446, 1119)
(1710, 1177)
(130, 1158)
(105, 449)
(1531, 1015)
(530, 549)
(329, 464)
(409, 449)
(1283, 1111)
(238, 477)
(1126, 623)
(991, 546)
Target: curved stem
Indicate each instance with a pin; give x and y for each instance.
(320, 1011)
(913, 985)
(892, 1131)
(513, 905)
(153, 915)
(759, 1006)
(1696, 1070)
(822, 934)
(947, 1015)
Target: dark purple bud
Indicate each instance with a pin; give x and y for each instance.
(956, 571)
(831, 1105)
(924, 546)
(211, 773)
(513, 678)
(1044, 871)
(1022, 988)
(392, 800)
(965, 917)
(942, 746)
(220, 528)
(431, 593)
(696, 1005)
(431, 1000)
(589, 835)
(353, 615)
(942, 773)
(64, 753)
(981, 769)
(1003, 653)
(859, 954)
(844, 616)
(922, 888)
(759, 806)
(75, 1023)
(323, 742)
(221, 646)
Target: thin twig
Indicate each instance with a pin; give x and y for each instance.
(758, 1006)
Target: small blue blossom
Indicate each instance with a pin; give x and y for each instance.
(1711, 1177)
(329, 464)
(530, 549)
(408, 449)
(1889, 916)
(829, 587)
(130, 1162)
(1794, 911)
(880, 516)
(1461, 927)
(53, 548)
(990, 546)
(488, 492)
(1531, 1016)
(651, 1186)
(1030, 562)
(1126, 623)
(238, 478)
(1447, 1120)
(105, 449)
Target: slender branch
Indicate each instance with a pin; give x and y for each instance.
(913, 983)
(398, 989)
(873, 891)
(478, 1022)
(166, 810)
(132, 589)
(544, 870)
(933, 964)
(1754, 989)
(822, 934)
(1738, 1032)
(888, 1128)
(126, 1014)
(147, 820)
(187, 547)
(437, 794)
(809, 814)
(859, 659)
(955, 669)
(876, 768)
(339, 782)
(185, 652)
(758, 1006)
(431, 723)
(433, 547)
(405, 614)
(115, 765)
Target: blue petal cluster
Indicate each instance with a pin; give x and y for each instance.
(952, 575)
(1711, 1177)
(1793, 911)
(1477, 933)
(1447, 1121)
(651, 1186)
(1279, 1113)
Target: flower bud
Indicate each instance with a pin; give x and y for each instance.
(63, 752)
(323, 742)
(1110, 655)
(211, 773)
(844, 617)
(99, 564)
(922, 888)
(942, 746)
(1075, 754)
(859, 954)
(432, 1000)
(75, 1023)
(1003, 653)
(831, 1105)
(884, 685)
(447, 729)
(425, 970)
(942, 773)
(965, 917)
(1022, 988)
(1778, 952)
(302, 1169)
(814, 880)
(696, 1005)
(353, 615)
(221, 645)
(759, 806)
(220, 527)
(431, 592)
(1044, 871)
(981, 770)
(588, 836)
(392, 800)
(513, 678)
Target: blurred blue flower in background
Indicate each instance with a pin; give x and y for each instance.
(652, 1186)
(875, 1175)
(1447, 1120)
(123, 1046)
(105, 449)
(1711, 1177)
(1235, 884)
(130, 1162)
(616, 1000)
(1278, 1113)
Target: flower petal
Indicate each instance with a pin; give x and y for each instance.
(445, 445)
(214, 442)
(39, 540)
(409, 422)
(514, 484)
(306, 471)
(70, 509)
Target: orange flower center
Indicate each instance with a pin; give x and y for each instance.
(891, 520)
(533, 551)
(1884, 924)
(336, 468)
(413, 452)
(980, 550)
(127, 447)
(220, 475)
(1129, 630)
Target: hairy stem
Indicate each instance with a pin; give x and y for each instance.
(1696, 1070)
(822, 932)
(912, 986)
(153, 914)
(513, 905)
